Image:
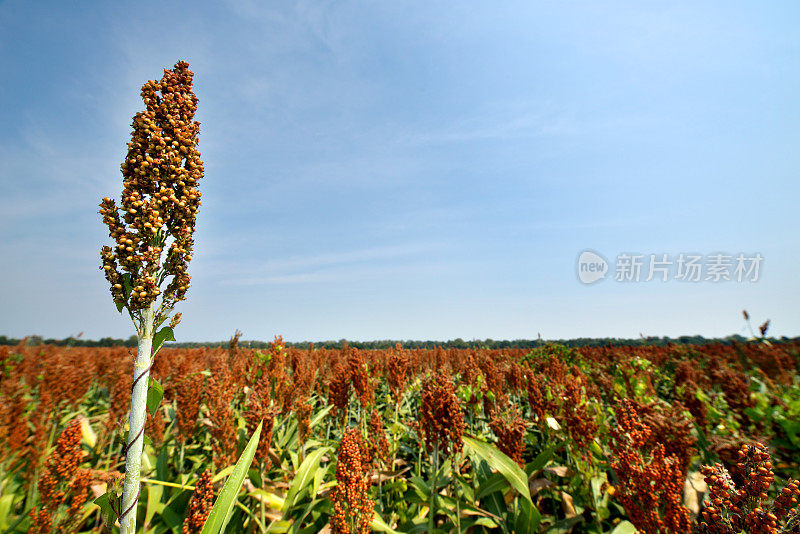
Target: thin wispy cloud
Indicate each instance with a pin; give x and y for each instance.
(296, 268)
(355, 273)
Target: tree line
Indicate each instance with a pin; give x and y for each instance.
(457, 343)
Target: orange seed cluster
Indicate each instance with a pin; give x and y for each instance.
(159, 198)
(352, 507)
(200, 506)
(63, 485)
(747, 507)
(650, 489)
(441, 419)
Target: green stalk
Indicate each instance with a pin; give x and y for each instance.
(456, 490)
(133, 457)
(433, 488)
(394, 436)
(263, 506)
(180, 458)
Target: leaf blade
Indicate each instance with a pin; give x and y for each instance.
(163, 335)
(304, 476)
(502, 464)
(154, 395)
(230, 492)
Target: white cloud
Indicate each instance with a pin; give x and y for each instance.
(297, 267)
(349, 273)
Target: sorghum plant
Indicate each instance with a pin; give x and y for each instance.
(63, 486)
(441, 419)
(352, 507)
(303, 375)
(396, 373)
(575, 414)
(339, 390)
(259, 409)
(221, 392)
(303, 409)
(650, 482)
(277, 374)
(188, 393)
(360, 379)
(160, 201)
(377, 443)
(536, 396)
(670, 427)
(510, 429)
(745, 507)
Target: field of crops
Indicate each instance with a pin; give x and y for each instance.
(553, 440)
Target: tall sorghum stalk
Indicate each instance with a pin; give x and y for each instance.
(442, 424)
(159, 200)
(396, 378)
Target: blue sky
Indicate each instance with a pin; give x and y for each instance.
(419, 170)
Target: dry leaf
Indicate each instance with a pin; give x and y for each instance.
(567, 506)
(693, 490)
(539, 484)
(558, 470)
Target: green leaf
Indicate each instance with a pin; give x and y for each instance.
(109, 516)
(494, 502)
(304, 522)
(467, 491)
(279, 527)
(597, 483)
(792, 428)
(319, 416)
(273, 501)
(154, 492)
(171, 518)
(528, 518)
(304, 476)
(566, 525)
(421, 488)
(418, 526)
(502, 464)
(230, 492)
(319, 478)
(541, 460)
(161, 464)
(222, 474)
(496, 482)
(165, 334)
(379, 525)
(127, 285)
(487, 522)
(154, 395)
(625, 527)
(5, 506)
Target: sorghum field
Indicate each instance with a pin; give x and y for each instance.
(612, 439)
